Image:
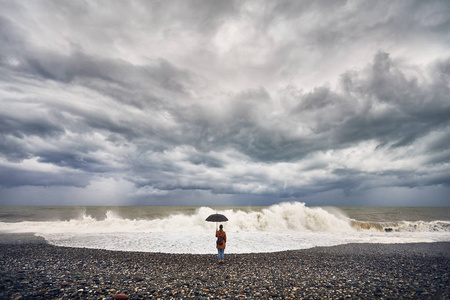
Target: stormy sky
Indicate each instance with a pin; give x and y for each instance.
(224, 102)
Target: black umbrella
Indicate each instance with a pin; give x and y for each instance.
(216, 218)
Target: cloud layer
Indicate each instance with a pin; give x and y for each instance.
(282, 100)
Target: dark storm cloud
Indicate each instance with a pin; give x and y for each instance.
(337, 119)
(13, 177)
(134, 85)
(13, 150)
(340, 119)
(206, 160)
(282, 99)
(14, 130)
(73, 161)
(21, 128)
(413, 109)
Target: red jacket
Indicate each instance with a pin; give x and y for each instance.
(224, 236)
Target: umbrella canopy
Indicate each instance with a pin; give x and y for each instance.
(216, 218)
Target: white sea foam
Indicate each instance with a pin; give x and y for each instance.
(286, 226)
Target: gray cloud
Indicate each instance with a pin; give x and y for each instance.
(288, 99)
(21, 128)
(13, 177)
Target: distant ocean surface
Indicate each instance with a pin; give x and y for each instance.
(168, 229)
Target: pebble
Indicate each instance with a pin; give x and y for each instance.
(41, 271)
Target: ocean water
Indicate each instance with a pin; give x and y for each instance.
(285, 226)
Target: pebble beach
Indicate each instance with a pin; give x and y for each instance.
(36, 270)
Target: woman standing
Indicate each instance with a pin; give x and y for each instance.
(220, 244)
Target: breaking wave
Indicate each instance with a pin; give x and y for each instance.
(277, 218)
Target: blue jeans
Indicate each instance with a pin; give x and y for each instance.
(221, 254)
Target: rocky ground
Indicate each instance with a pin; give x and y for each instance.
(41, 271)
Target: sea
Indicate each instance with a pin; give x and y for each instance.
(172, 229)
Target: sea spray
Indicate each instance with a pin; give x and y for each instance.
(288, 217)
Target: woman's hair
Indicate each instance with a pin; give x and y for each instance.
(221, 226)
